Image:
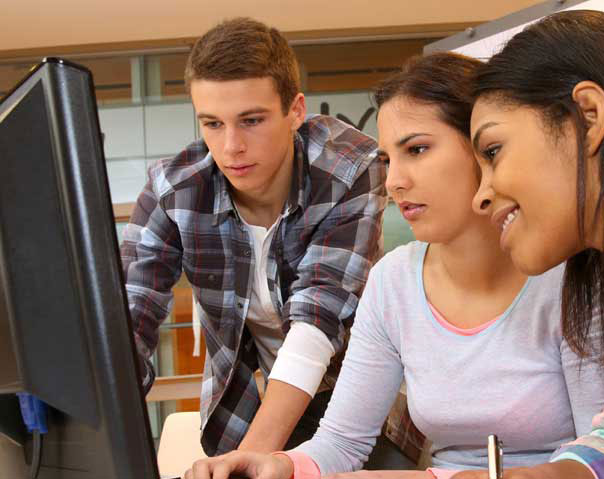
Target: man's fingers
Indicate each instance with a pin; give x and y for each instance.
(204, 468)
(237, 463)
(219, 467)
(223, 469)
(199, 470)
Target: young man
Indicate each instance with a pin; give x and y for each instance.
(275, 219)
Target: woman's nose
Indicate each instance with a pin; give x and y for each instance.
(483, 199)
(398, 179)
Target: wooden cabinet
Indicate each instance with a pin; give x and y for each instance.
(183, 342)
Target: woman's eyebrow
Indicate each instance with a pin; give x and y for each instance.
(479, 132)
(409, 137)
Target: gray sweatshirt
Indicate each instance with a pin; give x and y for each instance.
(517, 378)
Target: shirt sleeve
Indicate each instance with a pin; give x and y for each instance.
(439, 473)
(304, 466)
(370, 378)
(585, 384)
(587, 449)
(151, 256)
(332, 273)
(587, 455)
(303, 358)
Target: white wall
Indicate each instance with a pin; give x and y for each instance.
(487, 47)
(135, 136)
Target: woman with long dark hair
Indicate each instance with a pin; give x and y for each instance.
(538, 129)
(478, 343)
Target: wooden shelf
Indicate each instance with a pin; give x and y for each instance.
(122, 211)
(169, 388)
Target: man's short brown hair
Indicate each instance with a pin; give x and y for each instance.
(244, 48)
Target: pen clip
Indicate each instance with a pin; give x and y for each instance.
(495, 456)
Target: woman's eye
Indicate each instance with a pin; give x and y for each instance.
(490, 152)
(384, 159)
(417, 149)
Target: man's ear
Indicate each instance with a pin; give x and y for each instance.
(298, 111)
(589, 96)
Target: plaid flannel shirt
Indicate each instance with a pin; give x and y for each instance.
(318, 261)
(402, 431)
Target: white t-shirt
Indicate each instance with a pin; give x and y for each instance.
(301, 358)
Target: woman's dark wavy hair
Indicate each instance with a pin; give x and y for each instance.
(441, 79)
(539, 68)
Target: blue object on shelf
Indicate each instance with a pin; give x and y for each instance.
(33, 412)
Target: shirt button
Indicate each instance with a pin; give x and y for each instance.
(240, 305)
(247, 252)
(211, 277)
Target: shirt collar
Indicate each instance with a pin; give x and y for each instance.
(297, 196)
(223, 202)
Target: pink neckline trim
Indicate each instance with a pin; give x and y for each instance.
(454, 329)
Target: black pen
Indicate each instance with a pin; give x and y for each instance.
(495, 455)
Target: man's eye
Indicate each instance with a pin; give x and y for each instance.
(252, 121)
(490, 152)
(212, 124)
(417, 149)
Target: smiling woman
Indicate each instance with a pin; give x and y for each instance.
(538, 130)
(520, 150)
(538, 127)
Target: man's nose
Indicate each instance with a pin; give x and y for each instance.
(233, 142)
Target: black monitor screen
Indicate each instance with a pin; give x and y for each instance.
(65, 333)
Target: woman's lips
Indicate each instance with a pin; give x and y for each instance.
(411, 211)
(507, 224)
(499, 217)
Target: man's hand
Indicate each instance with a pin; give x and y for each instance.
(554, 470)
(248, 464)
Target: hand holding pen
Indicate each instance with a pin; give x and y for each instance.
(557, 470)
(495, 462)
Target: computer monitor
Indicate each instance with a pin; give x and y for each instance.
(65, 333)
